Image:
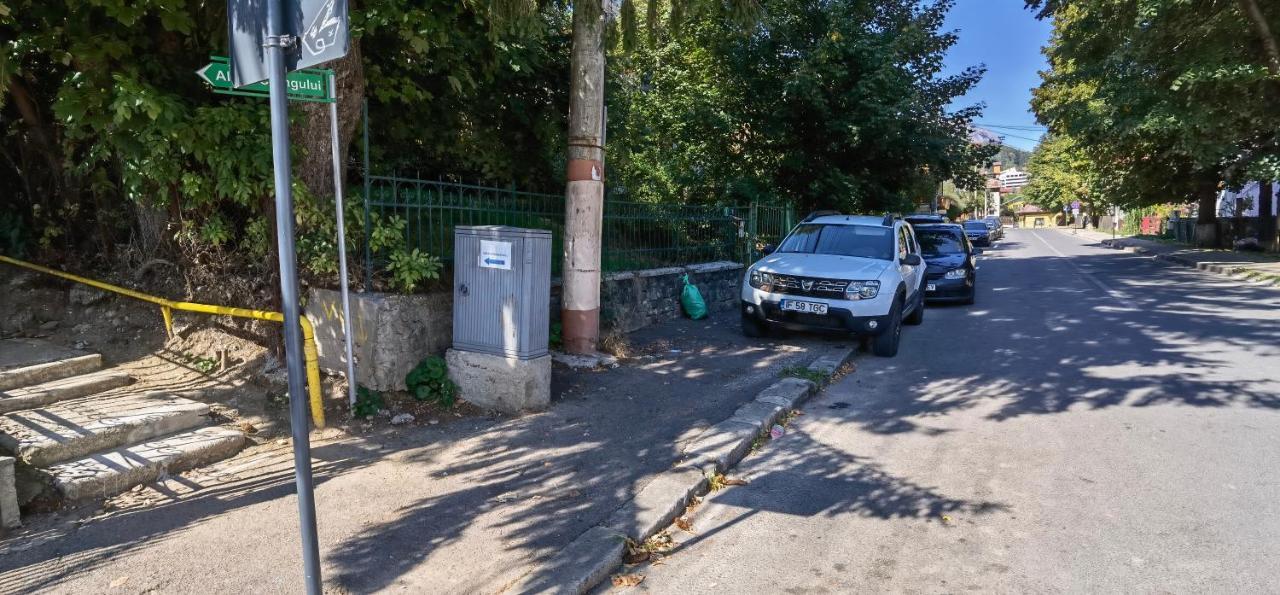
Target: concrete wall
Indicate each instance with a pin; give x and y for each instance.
(392, 333)
(395, 332)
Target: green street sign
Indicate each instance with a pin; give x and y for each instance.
(304, 85)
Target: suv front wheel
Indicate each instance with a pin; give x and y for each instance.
(752, 327)
(886, 343)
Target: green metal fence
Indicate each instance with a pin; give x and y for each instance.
(635, 235)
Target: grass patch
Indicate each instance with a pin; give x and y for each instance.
(804, 373)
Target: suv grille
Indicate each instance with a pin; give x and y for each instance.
(809, 286)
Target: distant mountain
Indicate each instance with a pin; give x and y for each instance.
(1012, 157)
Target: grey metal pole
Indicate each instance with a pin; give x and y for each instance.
(277, 40)
(342, 238)
(368, 223)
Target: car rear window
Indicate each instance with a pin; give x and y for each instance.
(865, 241)
(936, 242)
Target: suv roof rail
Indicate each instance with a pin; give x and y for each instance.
(888, 220)
(816, 214)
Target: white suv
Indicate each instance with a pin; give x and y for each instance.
(839, 272)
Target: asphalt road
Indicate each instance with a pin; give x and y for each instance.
(1097, 422)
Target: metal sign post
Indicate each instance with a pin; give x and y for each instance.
(267, 39)
(275, 44)
(342, 242)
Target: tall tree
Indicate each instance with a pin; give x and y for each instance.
(1172, 97)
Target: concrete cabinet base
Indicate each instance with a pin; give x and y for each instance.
(500, 383)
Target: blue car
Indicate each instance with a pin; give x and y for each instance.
(978, 232)
(951, 273)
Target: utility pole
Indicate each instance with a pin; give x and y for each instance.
(584, 192)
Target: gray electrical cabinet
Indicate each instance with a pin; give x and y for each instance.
(501, 290)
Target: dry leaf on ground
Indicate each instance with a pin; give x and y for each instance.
(684, 524)
(627, 580)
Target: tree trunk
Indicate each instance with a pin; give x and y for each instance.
(1263, 30)
(584, 191)
(1266, 215)
(41, 137)
(314, 168)
(1207, 218)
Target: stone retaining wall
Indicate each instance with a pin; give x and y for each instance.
(635, 299)
(394, 332)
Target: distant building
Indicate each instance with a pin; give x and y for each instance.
(1245, 201)
(1013, 179)
(1032, 216)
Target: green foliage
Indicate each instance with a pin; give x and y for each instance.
(823, 104)
(204, 365)
(1159, 100)
(1061, 173)
(406, 268)
(368, 403)
(1012, 157)
(477, 90)
(556, 335)
(409, 268)
(429, 381)
(804, 373)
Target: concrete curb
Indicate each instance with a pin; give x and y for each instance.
(1226, 269)
(590, 559)
(583, 564)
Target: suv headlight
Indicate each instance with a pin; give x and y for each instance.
(761, 281)
(956, 274)
(862, 290)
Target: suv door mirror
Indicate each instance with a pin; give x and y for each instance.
(768, 249)
(911, 260)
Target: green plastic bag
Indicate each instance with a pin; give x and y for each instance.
(691, 299)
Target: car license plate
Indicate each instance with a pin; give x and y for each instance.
(930, 287)
(806, 307)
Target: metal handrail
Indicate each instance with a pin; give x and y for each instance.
(168, 306)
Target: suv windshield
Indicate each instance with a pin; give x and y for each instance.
(978, 225)
(939, 242)
(865, 241)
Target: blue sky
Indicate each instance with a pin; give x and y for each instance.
(1007, 38)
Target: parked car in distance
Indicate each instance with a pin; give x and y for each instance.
(995, 225)
(924, 219)
(855, 274)
(978, 232)
(952, 263)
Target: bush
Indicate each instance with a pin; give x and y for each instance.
(368, 402)
(429, 381)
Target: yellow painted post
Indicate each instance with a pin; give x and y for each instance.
(166, 310)
(167, 313)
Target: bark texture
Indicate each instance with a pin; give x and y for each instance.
(310, 131)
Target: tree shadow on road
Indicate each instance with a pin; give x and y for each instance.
(1097, 331)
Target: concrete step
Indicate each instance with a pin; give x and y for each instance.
(74, 429)
(109, 473)
(62, 389)
(45, 371)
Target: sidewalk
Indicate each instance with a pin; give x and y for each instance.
(468, 504)
(1257, 267)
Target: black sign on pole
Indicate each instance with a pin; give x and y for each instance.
(319, 28)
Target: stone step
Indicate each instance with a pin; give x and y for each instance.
(62, 389)
(45, 371)
(109, 473)
(74, 429)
